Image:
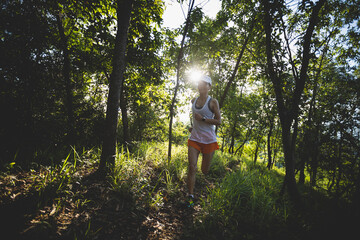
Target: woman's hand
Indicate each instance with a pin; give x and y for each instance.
(197, 116)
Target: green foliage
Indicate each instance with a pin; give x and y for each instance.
(59, 179)
(146, 174)
(43, 112)
(43, 115)
(245, 199)
(244, 196)
(237, 200)
(36, 126)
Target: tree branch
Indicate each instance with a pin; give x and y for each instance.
(300, 83)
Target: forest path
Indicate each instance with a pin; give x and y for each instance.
(92, 209)
(175, 220)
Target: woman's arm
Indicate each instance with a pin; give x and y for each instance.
(214, 107)
(191, 119)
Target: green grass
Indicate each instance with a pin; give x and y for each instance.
(245, 194)
(146, 175)
(243, 201)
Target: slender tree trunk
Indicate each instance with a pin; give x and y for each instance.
(275, 145)
(240, 147)
(339, 166)
(231, 148)
(178, 66)
(269, 165)
(314, 161)
(356, 198)
(257, 149)
(67, 79)
(123, 9)
(232, 78)
(309, 136)
(223, 143)
(288, 113)
(302, 172)
(124, 117)
(285, 119)
(247, 136)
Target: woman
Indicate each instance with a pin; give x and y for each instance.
(205, 114)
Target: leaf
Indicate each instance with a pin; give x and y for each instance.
(53, 211)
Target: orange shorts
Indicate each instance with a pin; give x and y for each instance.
(202, 147)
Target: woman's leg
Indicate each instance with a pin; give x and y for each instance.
(206, 161)
(193, 155)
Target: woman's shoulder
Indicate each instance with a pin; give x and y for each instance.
(213, 104)
(214, 101)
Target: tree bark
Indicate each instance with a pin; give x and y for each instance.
(67, 79)
(339, 167)
(107, 160)
(258, 142)
(178, 65)
(269, 165)
(314, 161)
(232, 143)
(124, 117)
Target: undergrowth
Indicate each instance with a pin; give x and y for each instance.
(146, 175)
(242, 202)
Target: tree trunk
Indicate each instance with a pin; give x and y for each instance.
(231, 80)
(309, 136)
(124, 117)
(275, 145)
(247, 136)
(356, 198)
(232, 143)
(123, 10)
(302, 172)
(269, 165)
(288, 113)
(257, 149)
(178, 65)
(223, 143)
(289, 154)
(67, 79)
(339, 165)
(314, 161)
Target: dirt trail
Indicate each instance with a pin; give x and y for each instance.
(94, 210)
(175, 220)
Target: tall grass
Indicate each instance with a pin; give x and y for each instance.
(245, 195)
(146, 175)
(244, 201)
(58, 180)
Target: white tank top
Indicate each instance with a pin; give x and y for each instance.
(203, 132)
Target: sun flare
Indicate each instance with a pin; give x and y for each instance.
(194, 75)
